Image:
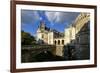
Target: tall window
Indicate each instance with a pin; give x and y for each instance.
(42, 36)
(63, 42)
(55, 42)
(58, 42)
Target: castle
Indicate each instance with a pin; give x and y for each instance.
(53, 37)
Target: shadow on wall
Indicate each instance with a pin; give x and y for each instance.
(79, 49)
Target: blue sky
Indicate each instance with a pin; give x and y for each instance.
(57, 20)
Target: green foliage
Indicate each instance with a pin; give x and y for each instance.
(27, 39)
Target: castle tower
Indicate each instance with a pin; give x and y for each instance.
(40, 31)
(42, 26)
(67, 35)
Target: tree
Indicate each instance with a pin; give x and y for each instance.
(26, 38)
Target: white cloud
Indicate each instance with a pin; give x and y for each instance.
(51, 16)
(61, 17)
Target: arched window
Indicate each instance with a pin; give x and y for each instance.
(58, 42)
(55, 42)
(63, 42)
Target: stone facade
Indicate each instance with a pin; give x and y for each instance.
(82, 42)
